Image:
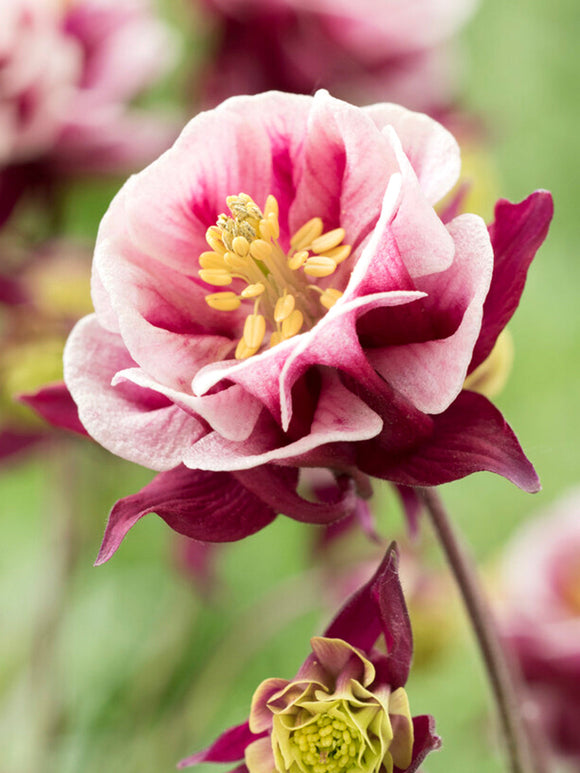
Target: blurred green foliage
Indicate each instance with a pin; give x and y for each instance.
(127, 667)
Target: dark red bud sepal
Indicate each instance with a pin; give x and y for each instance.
(56, 406)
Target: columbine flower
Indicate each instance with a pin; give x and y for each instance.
(540, 618)
(277, 291)
(346, 709)
(68, 72)
(400, 50)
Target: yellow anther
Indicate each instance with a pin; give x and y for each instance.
(292, 324)
(274, 225)
(211, 260)
(304, 235)
(241, 246)
(213, 237)
(216, 276)
(297, 260)
(319, 266)
(243, 351)
(254, 331)
(328, 241)
(271, 206)
(226, 301)
(260, 250)
(284, 307)
(275, 338)
(253, 291)
(235, 263)
(338, 254)
(265, 229)
(329, 297)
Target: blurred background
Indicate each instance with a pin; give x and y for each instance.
(136, 664)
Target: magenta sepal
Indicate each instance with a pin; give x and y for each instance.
(221, 506)
(516, 235)
(229, 747)
(55, 404)
(426, 740)
(470, 436)
(379, 607)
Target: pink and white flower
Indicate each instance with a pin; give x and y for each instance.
(68, 73)
(401, 50)
(333, 322)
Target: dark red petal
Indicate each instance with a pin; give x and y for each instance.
(229, 747)
(208, 506)
(516, 235)
(412, 506)
(426, 740)
(470, 436)
(276, 486)
(379, 607)
(55, 404)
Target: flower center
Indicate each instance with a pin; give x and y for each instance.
(279, 285)
(326, 745)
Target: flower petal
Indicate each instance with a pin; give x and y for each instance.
(229, 747)
(470, 436)
(212, 507)
(55, 404)
(425, 741)
(134, 423)
(516, 235)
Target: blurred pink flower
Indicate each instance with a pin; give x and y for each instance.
(346, 708)
(540, 617)
(363, 52)
(324, 354)
(68, 73)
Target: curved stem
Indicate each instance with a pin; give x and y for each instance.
(518, 744)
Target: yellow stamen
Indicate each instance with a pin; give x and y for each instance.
(216, 276)
(328, 241)
(241, 246)
(254, 331)
(211, 260)
(297, 260)
(271, 206)
(253, 291)
(243, 351)
(226, 301)
(338, 254)
(260, 250)
(284, 307)
(275, 338)
(292, 324)
(319, 266)
(304, 235)
(329, 297)
(213, 237)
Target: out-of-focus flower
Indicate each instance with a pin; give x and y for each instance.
(331, 324)
(363, 52)
(540, 618)
(41, 302)
(346, 709)
(68, 73)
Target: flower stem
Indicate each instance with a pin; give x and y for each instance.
(501, 676)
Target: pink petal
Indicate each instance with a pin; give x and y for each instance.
(431, 149)
(344, 170)
(260, 757)
(431, 374)
(516, 235)
(338, 416)
(212, 507)
(134, 423)
(260, 714)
